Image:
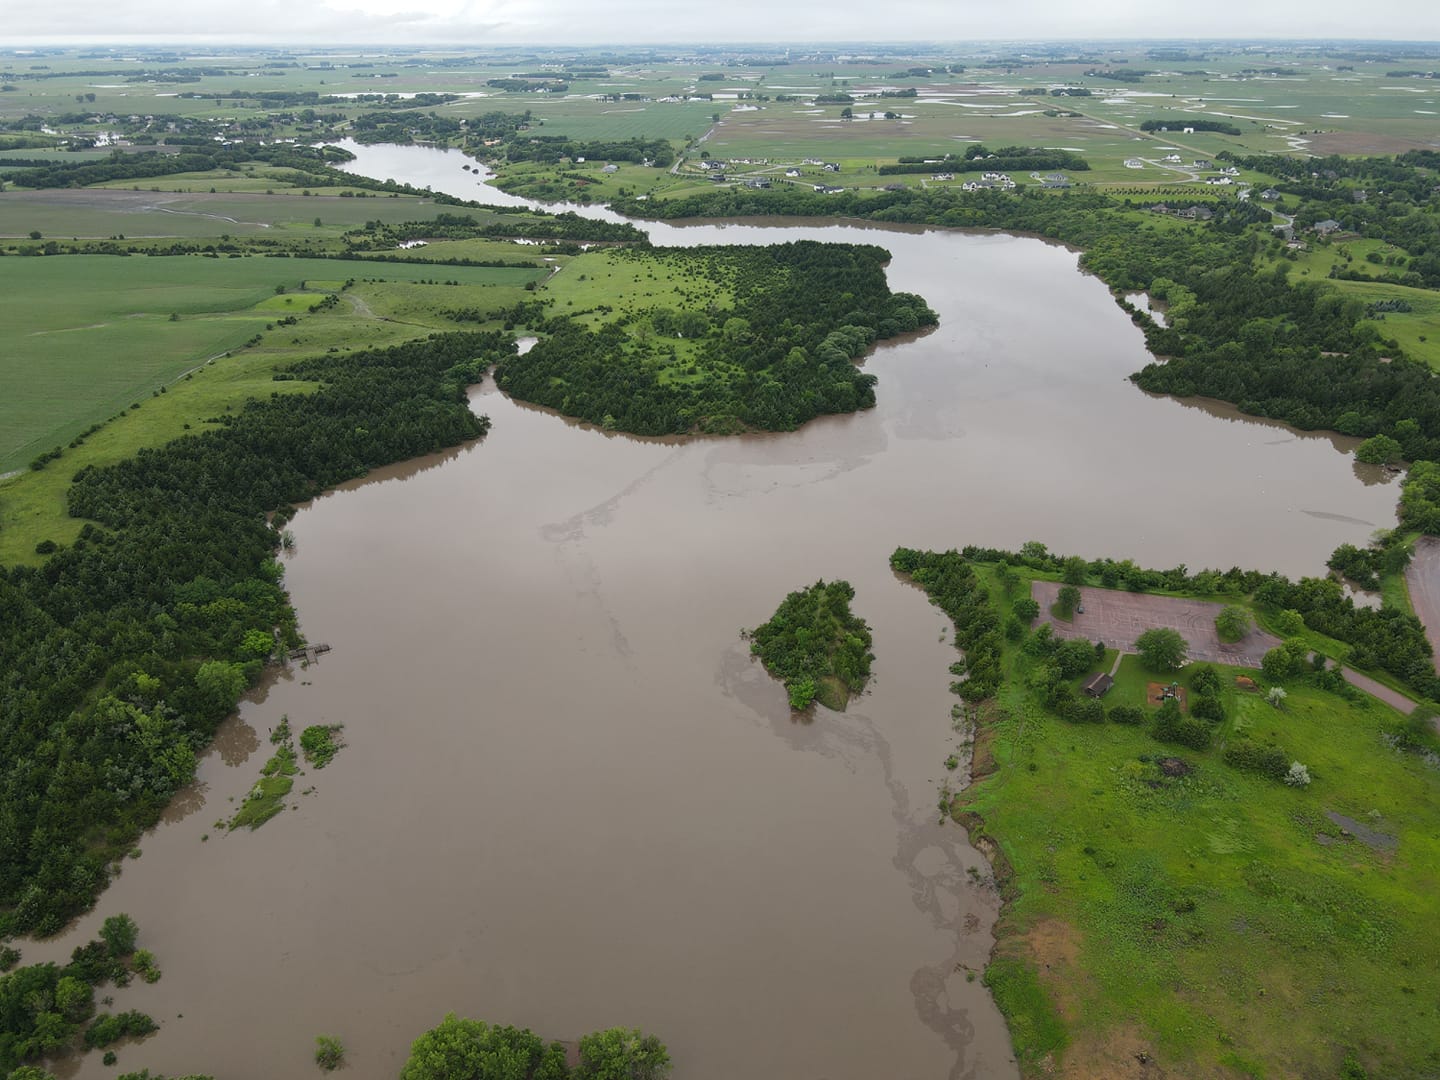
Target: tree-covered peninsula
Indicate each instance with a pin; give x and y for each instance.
(758, 337)
(816, 645)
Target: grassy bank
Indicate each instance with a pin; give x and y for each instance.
(1166, 907)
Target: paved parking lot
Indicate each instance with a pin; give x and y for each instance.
(1117, 618)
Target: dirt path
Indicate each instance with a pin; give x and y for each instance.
(1422, 578)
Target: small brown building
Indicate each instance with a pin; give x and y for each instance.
(1096, 685)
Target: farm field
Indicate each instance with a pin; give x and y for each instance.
(101, 212)
(92, 335)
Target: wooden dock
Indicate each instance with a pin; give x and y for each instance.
(308, 653)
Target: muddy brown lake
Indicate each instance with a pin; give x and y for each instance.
(570, 800)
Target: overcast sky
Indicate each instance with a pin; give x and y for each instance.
(456, 22)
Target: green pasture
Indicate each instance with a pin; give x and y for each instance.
(1218, 917)
(96, 212)
(93, 337)
(627, 285)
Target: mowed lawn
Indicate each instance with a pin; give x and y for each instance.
(88, 336)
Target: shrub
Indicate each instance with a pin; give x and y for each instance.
(1025, 609)
(1075, 657)
(1248, 756)
(115, 1026)
(1173, 726)
(1085, 710)
(1298, 775)
(1205, 680)
(1066, 601)
(329, 1053)
(1207, 707)
(1127, 714)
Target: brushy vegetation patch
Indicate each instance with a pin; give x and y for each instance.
(43, 1007)
(816, 646)
(1219, 907)
(320, 744)
(267, 797)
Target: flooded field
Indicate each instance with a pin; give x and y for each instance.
(570, 800)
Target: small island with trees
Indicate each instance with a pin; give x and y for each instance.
(816, 646)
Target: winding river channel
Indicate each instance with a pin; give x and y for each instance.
(569, 798)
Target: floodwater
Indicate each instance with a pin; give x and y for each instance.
(569, 798)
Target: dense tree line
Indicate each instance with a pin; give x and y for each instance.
(461, 1049)
(952, 585)
(1179, 123)
(549, 149)
(1005, 159)
(527, 224)
(816, 645)
(781, 355)
(121, 653)
(1299, 352)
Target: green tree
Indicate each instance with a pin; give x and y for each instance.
(119, 933)
(1379, 450)
(1026, 609)
(221, 684)
(460, 1049)
(622, 1054)
(1073, 570)
(1290, 623)
(74, 999)
(1233, 623)
(1066, 601)
(801, 691)
(1161, 649)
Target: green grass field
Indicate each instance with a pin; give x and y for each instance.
(94, 337)
(101, 212)
(1214, 920)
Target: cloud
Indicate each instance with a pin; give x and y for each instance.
(480, 22)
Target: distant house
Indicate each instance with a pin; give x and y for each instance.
(1097, 685)
(1200, 163)
(1134, 163)
(831, 166)
(1269, 194)
(611, 169)
(1326, 227)
(757, 182)
(943, 176)
(1056, 180)
(1171, 159)
(792, 173)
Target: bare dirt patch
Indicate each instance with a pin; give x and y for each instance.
(1175, 767)
(1361, 142)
